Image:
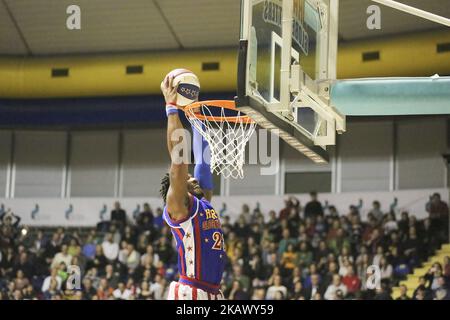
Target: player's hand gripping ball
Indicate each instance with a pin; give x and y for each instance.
(185, 83)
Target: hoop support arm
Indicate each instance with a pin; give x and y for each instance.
(414, 11)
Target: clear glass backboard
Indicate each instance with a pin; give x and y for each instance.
(287, 61)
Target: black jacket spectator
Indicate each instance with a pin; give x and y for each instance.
(313, 208)
(118, 215)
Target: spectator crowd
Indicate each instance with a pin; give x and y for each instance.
(302, 252)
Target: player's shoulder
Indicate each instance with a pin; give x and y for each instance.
(205, 202)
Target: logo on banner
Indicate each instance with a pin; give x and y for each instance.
(36, 215)
(70, 214)
(103, 212)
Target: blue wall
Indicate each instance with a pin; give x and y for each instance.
(103, 111)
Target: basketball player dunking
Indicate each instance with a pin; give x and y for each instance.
(193, 221)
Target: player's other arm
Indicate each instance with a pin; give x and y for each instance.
(177, 199)
(202, 170)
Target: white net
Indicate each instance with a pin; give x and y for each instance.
(226, 135)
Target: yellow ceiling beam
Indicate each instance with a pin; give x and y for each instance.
(104, 75)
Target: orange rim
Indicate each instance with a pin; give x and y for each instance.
(225, 104)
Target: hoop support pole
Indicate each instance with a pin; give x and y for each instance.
(414, 11)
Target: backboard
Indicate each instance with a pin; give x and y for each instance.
(287, 61)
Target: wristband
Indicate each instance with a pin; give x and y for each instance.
(171, 108)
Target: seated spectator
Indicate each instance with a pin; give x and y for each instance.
(145, 219)
(28, 293)
(399, 262)
(351, 281)
(305, 255)
(111, 276)
(259, 293)
(122, 293)
(390, 225)
(52, 277)
(403, 293)
(374, 240)
(299, 293)
(92, 275)
(21, 281)
(89, 247)
(245, 214)
(383, 293)
(424, 288)
(158, 221)
(164, 250)
(276, 287)
(289, 258)
(378, 256)
(317, 296)
(62, 256)
(315, 288)
(285, 241)
(129, 235)
(144, 292)
(99, 261)
(256, 268)
(236, 292)
(345, 257)
(133, 257)
(243, 279)
(386, 269)
(333, 229)
(25, 264)
(441, 291)
(322, 251)
(420, 294)
(88, 289)
(73, 248)
(150, 252)
(104, 291)
(338, 242)
(241, 228)
(334, 287)
(433, 275)
(376, 211)
(157, 287)
(62, 272)
(110, 248)
(52, 291)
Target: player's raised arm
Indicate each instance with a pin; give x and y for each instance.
(177, 196)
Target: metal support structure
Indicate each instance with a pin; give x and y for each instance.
(414, 11)
(286, 32)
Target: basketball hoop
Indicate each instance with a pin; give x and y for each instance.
(227, 131)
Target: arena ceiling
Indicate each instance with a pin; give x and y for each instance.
(37, 27)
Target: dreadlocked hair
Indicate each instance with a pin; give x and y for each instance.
(165, 184)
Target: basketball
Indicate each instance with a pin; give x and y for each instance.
(188, 86)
